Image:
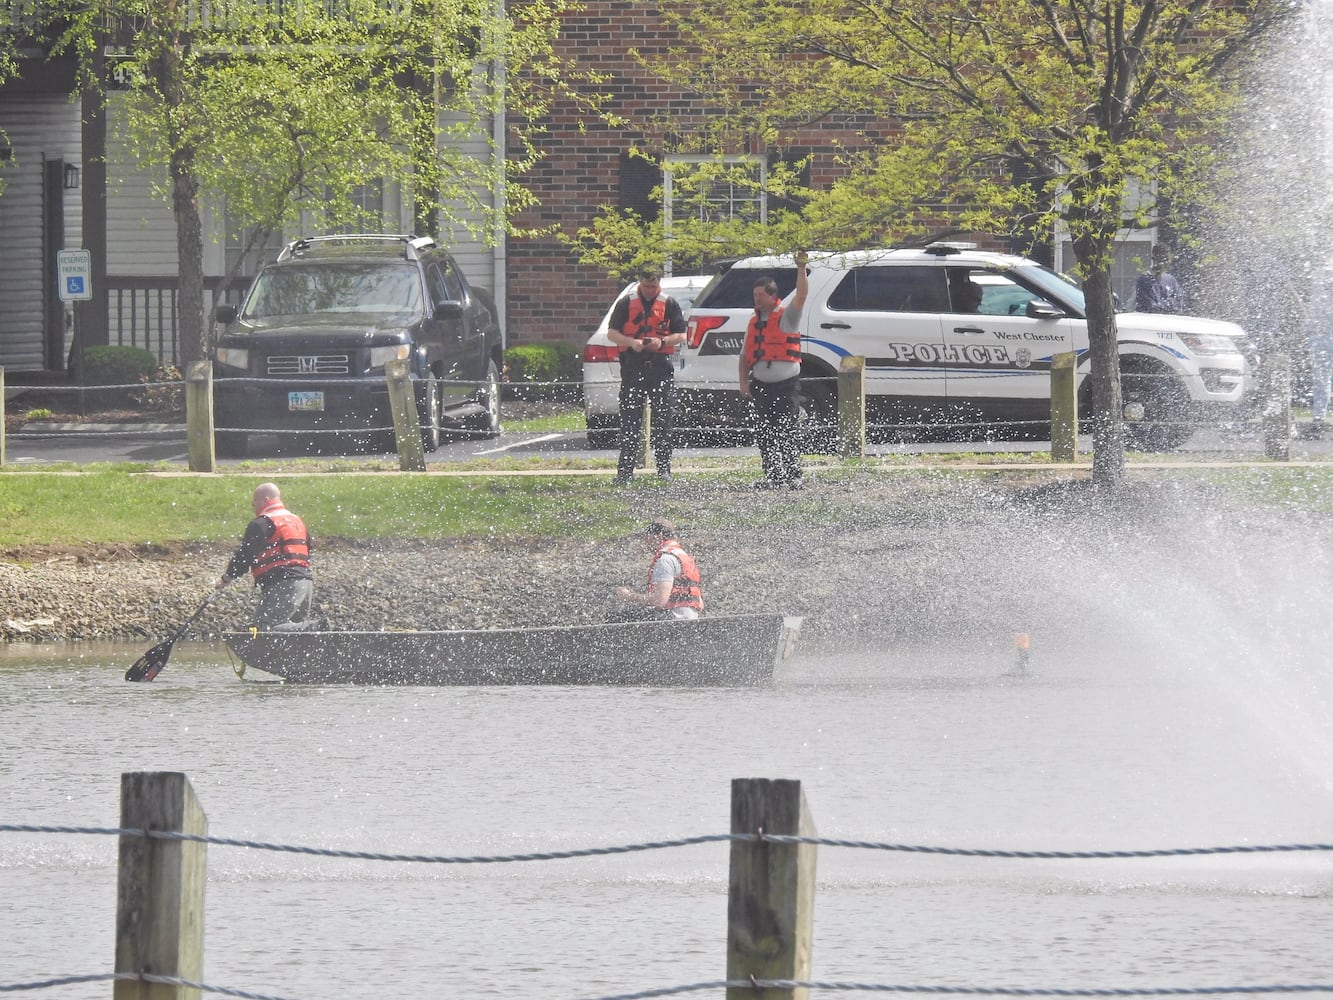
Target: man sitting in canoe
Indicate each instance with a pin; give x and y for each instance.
(276, 550)
(673, 580)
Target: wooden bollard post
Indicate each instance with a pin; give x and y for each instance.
(406, 426)
(199, 417)
(1064, 408)
(771, 897)
(1276, 397)
(645, 437)
(160, 886)
(852, 408)
(2, 415)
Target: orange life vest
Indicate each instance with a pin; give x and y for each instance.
(652, 322)
(685, 589)
(767, 341)
(289, 545)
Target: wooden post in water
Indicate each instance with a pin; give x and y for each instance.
(406, 426)
(771, 897)
(1064, 408)
(852, 408)
(160, 886)
(1275, 376)
(199, 417)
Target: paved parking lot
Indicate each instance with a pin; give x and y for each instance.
(88, 443)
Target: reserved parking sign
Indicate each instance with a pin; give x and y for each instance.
(73, 275)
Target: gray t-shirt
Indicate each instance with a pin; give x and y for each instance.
(668, 567)
(780, 371)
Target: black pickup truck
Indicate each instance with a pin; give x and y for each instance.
(306, 350)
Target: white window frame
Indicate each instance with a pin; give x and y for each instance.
(1130, 254)
(757, 162)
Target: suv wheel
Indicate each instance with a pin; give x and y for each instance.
(428, 408)
(488, 397)
(1155, 395)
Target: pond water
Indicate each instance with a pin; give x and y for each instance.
(1100, 746)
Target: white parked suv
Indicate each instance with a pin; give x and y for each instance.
(938, 365)
(601, 362)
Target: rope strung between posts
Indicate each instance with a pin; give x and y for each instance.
(655, 845)
(751, 983)
(140, 977)
(1005, 991)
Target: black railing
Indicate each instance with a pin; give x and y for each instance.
(142, 311)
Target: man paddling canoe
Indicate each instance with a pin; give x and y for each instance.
(275, 550)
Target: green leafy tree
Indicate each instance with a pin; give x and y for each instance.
(11, 37)
(288, 110)
(1011, 117)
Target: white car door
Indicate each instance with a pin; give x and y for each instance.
(999, 356)
(890, 315)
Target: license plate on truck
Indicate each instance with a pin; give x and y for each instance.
(305, 401)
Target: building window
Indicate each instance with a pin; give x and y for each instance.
(368, 202)
(713, 189)
(1131, 252)
(248, 247)
(254, 249)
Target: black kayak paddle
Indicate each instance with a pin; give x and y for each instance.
(148, 666)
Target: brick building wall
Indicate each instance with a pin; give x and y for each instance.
(551, 297)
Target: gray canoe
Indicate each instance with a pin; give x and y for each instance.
(721, 651)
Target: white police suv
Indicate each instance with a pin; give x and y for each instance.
(958, 343)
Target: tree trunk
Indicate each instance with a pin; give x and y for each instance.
(184, 193)
(190, 260)
(1108, 426)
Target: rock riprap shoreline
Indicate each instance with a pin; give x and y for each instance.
(962, 558)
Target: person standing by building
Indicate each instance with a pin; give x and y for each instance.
(1318, 329)
(1157, 291)
(275, 550)
(673, 590)
(770, 376)
(647, 326)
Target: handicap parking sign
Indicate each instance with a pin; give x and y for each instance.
(73, 268)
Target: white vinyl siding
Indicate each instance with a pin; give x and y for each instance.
(38, 128)
(141, 231)
(484, 265)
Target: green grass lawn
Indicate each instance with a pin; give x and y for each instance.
(370, 498)
(125, 504)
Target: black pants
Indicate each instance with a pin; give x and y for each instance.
(777, 410)
(639, 384)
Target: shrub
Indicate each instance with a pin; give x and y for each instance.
(543, 371)
(164, 391)
(118, 366)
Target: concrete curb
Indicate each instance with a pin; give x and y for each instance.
(41, 429)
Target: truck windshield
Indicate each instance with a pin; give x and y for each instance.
(384, 291)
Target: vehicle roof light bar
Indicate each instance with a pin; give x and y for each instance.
(944, 248)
